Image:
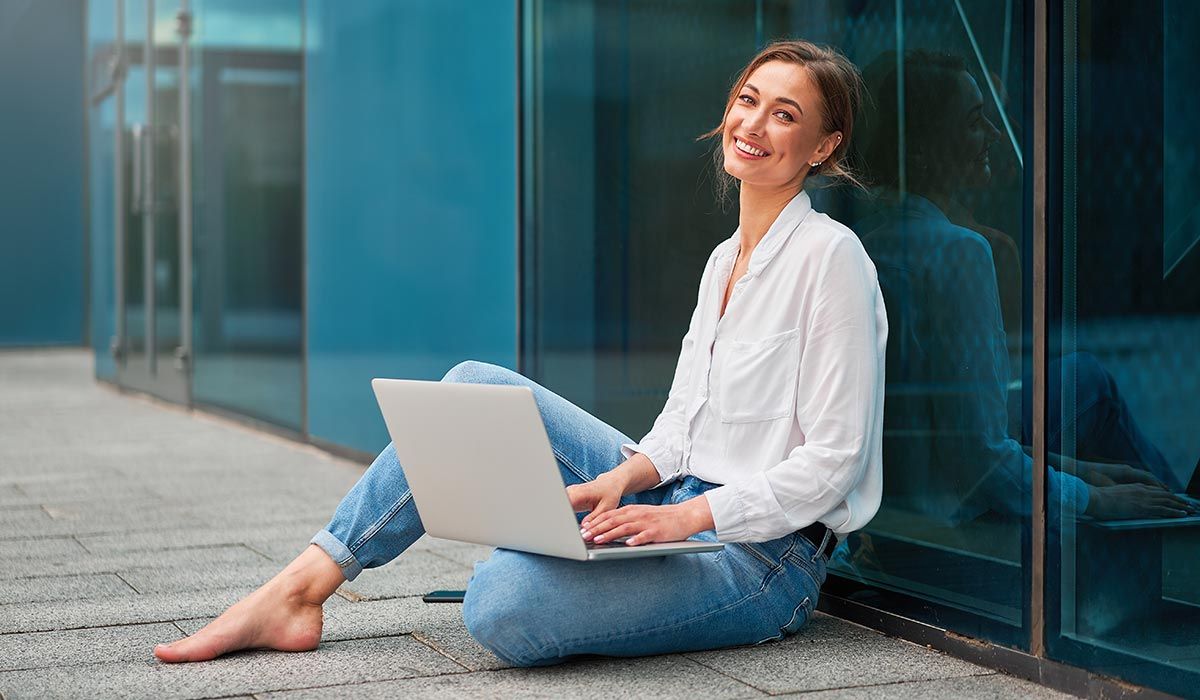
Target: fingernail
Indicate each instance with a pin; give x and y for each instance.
(586, 534)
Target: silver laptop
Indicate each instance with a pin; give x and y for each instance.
(481, 470)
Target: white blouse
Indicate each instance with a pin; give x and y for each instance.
(781, 399)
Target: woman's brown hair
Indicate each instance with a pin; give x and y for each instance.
(841, 87)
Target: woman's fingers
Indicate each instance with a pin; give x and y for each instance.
(625, 530)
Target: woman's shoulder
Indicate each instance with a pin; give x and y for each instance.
(823, 238)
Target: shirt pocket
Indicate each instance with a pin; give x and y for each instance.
(758, 378)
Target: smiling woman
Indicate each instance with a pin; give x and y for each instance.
(769, 439)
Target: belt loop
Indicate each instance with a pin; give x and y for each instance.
(824, 542)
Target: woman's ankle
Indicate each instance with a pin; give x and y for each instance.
(311, 578)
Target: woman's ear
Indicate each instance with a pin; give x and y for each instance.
(826, 148)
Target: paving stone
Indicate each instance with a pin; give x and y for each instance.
(413, 573)
(105, 612)
(831, 653)
(46, 588)
(185, 558)
(992, 685)
(463, 553)
(336, 663)
(193, 579)
(297, 532)
(439, 625)
(47, 547)
(85, 646)
(657, 677)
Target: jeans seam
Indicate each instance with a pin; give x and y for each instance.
(795, 612)
(379, 524)
(570, 465)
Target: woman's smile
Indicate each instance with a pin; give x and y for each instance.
(749, 150)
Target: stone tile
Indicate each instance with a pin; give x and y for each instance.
(42, 548)
(191, 558)
(46, 588)
(27, 518)
(105, 612)
(298, 532)
(831, 653)
(657, 677)
(414, 573)
(195, 579)
(439, 625)
(336, 663)
(992, 685)
(463, 553)
(86, 646)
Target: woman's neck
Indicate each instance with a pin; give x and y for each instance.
(757, 210)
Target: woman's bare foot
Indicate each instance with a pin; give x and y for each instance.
(284, 614)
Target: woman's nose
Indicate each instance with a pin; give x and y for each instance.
(754, 122)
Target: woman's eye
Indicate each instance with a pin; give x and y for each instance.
(786, 116)
(746, 99)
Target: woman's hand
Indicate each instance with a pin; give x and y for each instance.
(1107, 474)
(1126, 501)
(598, 496)
(646, 524)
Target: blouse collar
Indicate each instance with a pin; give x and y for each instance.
(777, 235)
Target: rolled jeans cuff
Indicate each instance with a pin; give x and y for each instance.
(339, 552)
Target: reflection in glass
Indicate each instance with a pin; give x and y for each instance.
(1123, 587)
(247, 181)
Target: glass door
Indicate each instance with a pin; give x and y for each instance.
(151, 343)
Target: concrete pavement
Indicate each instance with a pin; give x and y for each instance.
(125, 522)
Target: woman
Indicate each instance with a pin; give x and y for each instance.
(777, 397)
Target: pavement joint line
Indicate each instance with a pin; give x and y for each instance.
(419, 638)
(252, 549)
(987, 672)
(126, 582)
(81, 544)
(722, 673)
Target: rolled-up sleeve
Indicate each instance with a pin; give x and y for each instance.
(839, 409)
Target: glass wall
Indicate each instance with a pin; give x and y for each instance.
(247, 116)
(411, 198)
(621, 216)
(1123, 569)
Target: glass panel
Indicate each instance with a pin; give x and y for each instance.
(247, 111)
(621, 219)
(411, 199)
(101, 124)
(1123, 575)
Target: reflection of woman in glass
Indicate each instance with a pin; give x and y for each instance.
(949, 451)
(769, 440)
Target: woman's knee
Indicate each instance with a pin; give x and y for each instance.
(501, 615)
(475, 372)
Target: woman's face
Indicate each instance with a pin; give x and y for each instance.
(773, 130)
(967, 137)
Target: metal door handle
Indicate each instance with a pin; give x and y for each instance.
(137, 146)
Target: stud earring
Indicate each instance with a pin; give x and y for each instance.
(817, 164)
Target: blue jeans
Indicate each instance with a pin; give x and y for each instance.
(534, 610)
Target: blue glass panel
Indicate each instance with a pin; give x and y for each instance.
(410, 199)
(1123, 575)
(101, 20)
(621, 218)
(41, 186)
(247, 119)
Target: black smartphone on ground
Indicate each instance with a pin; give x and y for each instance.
(443, 597)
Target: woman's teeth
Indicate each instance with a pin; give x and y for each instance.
(747, 148)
